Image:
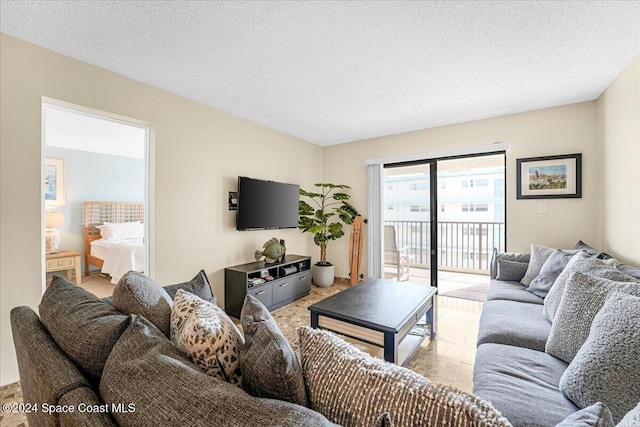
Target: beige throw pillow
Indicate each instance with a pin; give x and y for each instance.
(352, 388)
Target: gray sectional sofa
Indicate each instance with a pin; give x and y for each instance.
(84, 361)
(512, 369)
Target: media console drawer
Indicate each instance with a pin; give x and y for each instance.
(264, 293)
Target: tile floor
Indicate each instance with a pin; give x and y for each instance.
(447, 359)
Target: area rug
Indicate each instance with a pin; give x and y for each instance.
(472, 292)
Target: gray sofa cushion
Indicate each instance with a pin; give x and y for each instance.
(136, 293)
(586, 264)
(583, 297)
(512, 291)
(513, 323)
(85, 327)
(606, 367)
(539, 255)
(270, 367)
(522, 384)
(199, 286)
(549, 272)
(596, 415)
(511, 270)
(508, 256)
(167, 389)
(354, 389)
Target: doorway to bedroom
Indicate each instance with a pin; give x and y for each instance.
(95, 209)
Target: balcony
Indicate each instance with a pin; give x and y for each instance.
(464, 253)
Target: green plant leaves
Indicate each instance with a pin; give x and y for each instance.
(317, 220)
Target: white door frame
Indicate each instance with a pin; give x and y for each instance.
(149, 255)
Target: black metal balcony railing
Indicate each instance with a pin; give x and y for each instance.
(462, 246)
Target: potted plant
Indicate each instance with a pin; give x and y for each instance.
(324, 220)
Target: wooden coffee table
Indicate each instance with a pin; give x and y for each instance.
(393, 316)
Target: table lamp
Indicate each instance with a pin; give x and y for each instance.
(52, 237)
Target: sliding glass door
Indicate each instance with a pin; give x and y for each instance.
(442, 218)
(409, 222)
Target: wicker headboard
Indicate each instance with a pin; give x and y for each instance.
(97, 213)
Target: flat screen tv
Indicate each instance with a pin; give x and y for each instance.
(266, 204)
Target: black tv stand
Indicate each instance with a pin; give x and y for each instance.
(291, 281)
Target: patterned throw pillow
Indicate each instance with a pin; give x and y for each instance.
(539, 255)
(583, 297)
(204, 332)
(270, 367)
(583, 263)
(351, 388)
(606, 367)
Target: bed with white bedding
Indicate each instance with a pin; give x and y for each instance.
(119, 257)
(113, 233)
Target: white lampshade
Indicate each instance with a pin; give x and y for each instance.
(52, 237)
(53, 219)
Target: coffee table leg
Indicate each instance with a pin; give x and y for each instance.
(431, 317)
(390, 347)
(314, 320)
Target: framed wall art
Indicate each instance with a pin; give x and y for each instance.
(54, 182)
(549, 177)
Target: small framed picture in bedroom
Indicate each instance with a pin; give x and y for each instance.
(54, 182)
(549, 177)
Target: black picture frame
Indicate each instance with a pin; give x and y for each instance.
(549, 177)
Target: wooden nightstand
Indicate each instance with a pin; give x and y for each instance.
(65, 260)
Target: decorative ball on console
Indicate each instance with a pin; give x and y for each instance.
(272, 251)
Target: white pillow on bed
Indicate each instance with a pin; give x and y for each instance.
(115, 231)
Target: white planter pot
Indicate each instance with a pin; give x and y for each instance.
(323, 275)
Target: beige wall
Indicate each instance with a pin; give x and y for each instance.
(562, 130)
(619, 126)
(198, 152)
(197, 155)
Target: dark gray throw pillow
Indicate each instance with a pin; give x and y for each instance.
(146, 369)
(511, 270)
(268, 364)
(507, 256)
(606, 367)
(550, 271)
(582, 246)
(85, 327)
(199, 286)
(136, 293)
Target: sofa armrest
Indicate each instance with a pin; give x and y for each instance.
(46, 373)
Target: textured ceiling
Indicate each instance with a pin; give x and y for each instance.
(333, 72)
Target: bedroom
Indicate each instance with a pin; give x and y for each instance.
(95, 191)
